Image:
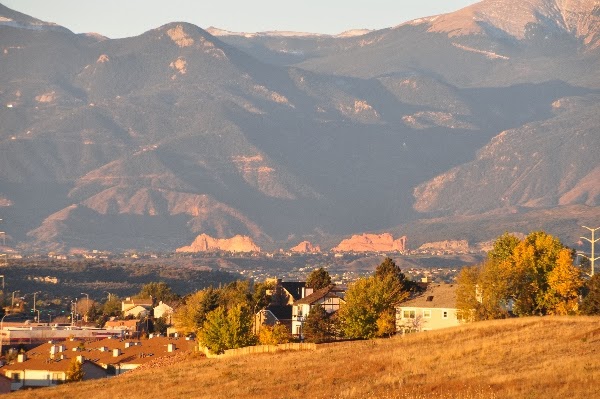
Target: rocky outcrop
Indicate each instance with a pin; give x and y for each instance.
(448, 245)
(306, 247)
(205, 243)
(371, 243)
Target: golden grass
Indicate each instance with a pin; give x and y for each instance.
(548, 357)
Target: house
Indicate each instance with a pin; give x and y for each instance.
(330, 298)
(272, 315)
(48, 370)
(120, 356)
(433, 309)
(136, 307)
(126, 327)
(164, 310)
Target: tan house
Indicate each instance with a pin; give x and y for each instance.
(164, 310)
(47, 370)
(330, 298)
(136, 307)
(435, 308)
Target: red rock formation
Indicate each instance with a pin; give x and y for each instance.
(205, 243)
(306, 247)
(371, 243)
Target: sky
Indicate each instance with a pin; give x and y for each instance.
(123, 18)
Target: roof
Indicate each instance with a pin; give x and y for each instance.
(280, 312)
(144, 351)
(435, 296)
(330, 291)
(294, 288)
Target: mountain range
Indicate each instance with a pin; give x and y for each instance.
(455, 126)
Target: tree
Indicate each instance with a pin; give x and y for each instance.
(503, 247)
(318, 278)
(368, 300)
(564, 285)
(158, 291)
(226, 329)
(318, 326)
(190, 316)
(159, 325)
(75, 371)
(467, 298)
(591, 301)
(112, 307)
(274, 335)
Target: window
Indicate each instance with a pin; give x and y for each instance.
(409, 314)
(445, 314)
(427, 313)
(297, 330)
(16, 377)
(55, 378)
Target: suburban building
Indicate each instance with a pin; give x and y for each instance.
(164, 310)
(330, 298)
(136, 307)
(433, 309)
(48, 369)
(47, 364)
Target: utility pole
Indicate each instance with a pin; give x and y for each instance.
(591, 241)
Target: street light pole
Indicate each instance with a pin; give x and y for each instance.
(592, 241)
(12, 304)
(34, 294)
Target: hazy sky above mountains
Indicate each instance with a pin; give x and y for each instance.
(122, 18)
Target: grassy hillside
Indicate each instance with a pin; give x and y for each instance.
(521, 358)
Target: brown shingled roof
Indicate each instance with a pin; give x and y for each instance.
(435, 296)
(329, 291)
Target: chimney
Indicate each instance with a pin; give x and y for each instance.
(116, 352)
(171, 348)
(128, 344)
(80, 359)
(21, 357)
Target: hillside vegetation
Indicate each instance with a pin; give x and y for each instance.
(549, 357)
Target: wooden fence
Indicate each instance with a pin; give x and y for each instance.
(251, 350)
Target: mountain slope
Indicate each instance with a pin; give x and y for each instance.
(150, 141)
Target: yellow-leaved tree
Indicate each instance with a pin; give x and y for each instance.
(564, 285)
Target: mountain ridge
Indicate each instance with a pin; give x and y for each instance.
(150, 141)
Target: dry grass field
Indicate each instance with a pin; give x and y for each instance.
(530, 358)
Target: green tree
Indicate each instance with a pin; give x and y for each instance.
(368, 300)
(227, 329)
(504, 247)
(159, 325)
(158, 291)
(591, 301)
(318, 326)
(191, 315)
(467, 290)
(75, 371)
(112, 307)
(318, 278)
(261, 294)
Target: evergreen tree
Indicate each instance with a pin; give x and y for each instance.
(318, 326)
(318, 278)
